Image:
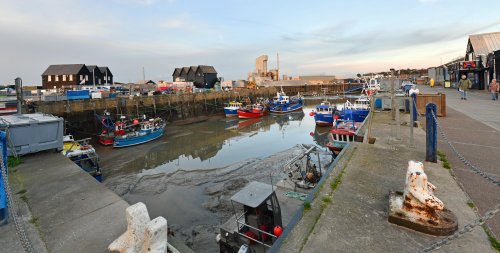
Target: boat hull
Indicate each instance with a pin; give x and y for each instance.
(285, 108)
(358, 115)
(132, 141)
(323, 119)
(250, 115)
(231, 112)
(106, 140)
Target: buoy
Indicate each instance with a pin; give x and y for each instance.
(311, 114)
(277, 231)
(336, 117)
(311, 134)
(136, 122)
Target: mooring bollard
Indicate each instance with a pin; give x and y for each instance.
(418, 208)
(143, 234)
(431, 133)
(413, 105)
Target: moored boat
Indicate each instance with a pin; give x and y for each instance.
(357, 111)
(323, 115)
(342, 133)
(83, 154)
(283, 103)
(252, 111)
(231, 108)
(142, 132)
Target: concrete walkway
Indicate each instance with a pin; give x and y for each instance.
(70, 209)
(473, 127)
(356, 218)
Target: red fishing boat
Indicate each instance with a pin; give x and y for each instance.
(253, 111)
(341, 134)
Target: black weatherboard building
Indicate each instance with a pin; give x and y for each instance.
(202, 76)
(67, 75)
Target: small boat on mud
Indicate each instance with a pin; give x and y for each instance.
(323, 115)
(231, 108)
(253, 111)
(83, 154)
(283, 103)
(139, 132)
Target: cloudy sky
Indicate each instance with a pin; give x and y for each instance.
(312, 37)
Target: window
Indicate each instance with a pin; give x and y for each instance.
(57, 78)
(86, 77)
(81, 77)
(99, 81)
(64, 78)
(109, 78)
(49, 78)
(71, 77)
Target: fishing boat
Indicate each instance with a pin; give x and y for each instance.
(231, 108)
(323, 115)
(253, 111)
(83, 154)
(107, 135)
(139, 132)
(283, 103)
(342, 133)
(372, 87)
(357, 111)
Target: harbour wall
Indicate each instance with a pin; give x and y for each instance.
(80, 114)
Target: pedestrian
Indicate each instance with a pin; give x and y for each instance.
(463, 86)
(494, 89)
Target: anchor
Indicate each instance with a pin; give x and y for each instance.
(418, 208)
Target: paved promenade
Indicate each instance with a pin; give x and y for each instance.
(473, 127)
(355, 218)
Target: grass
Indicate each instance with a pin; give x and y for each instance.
(13, 161)
(337, 181)
(494, 242)
(307, 205)
(442, 158)
(471, 205)
(23, 191)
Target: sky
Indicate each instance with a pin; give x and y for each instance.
(319, 37)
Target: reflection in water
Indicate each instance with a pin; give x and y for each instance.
(320, 135)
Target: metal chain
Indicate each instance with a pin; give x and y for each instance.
(466, 229)
(462, 158)
(20, 230)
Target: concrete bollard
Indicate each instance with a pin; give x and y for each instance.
(143, 234)
(418, 208)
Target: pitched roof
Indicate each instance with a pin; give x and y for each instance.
(184, 70)
(485, 43)
(63, 69)
(176, 71)
(91, 67)
(105, 69)
(145, 82)
(194, 68)
(207, 69)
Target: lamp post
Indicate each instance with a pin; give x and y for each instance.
(393, 106)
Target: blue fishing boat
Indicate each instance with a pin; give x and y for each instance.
(357, 111)
(231, 108)
(323, 114)
(283, 103)
(143, 132)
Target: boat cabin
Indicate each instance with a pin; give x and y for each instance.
(234, 104)
(281, 98)
(325, 107)
(256, 212)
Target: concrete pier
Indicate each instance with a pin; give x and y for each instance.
(355, 217)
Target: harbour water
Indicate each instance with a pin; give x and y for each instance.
(188, 175)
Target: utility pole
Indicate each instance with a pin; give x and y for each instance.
(143, 74)
(93, 76)
(393, 106)
(278, 68)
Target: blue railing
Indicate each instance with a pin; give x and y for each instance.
(3, 196)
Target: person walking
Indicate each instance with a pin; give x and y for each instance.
(463, 86)
(494, 89)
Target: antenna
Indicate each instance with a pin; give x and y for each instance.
(278, 67)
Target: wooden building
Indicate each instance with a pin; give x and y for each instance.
(68, 75)
(202, 76)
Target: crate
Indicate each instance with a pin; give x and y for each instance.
(30, 133)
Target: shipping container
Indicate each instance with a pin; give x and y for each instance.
(30, 133)
(78, 94)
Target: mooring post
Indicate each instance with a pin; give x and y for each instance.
(413, 102)
(398, 120)
(431, 134)
(4, 214)
(412, 122)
